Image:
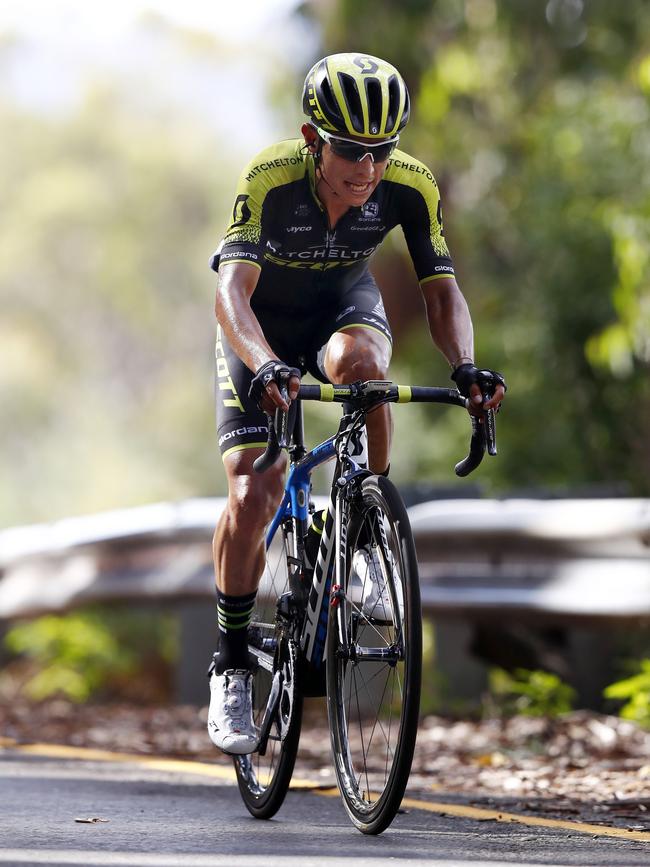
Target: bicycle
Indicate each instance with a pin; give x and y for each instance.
(313, 630)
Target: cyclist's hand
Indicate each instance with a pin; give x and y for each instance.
(265, 384)
(476, 383)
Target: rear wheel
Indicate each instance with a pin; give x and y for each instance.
(264, 778)
(373, 682)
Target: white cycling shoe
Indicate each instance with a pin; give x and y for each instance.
(230, 717)
(368, 587)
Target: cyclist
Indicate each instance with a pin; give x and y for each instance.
(295, 295)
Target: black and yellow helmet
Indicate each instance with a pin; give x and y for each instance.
(356, 94)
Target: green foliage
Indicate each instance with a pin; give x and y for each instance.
(534, 119)
(532, 693)
(95, 653)
(635, 692)
(110, 215)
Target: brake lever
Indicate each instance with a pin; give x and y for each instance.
(490, 425)
(282, 421)
(280, 428)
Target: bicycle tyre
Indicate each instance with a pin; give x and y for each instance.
(372, 777)
(264, 780)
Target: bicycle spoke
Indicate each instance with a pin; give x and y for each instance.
(377, 719)
(365, 766)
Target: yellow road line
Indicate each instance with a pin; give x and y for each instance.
(204, 769)
(483, 815)
(57, 751)
(222, 772)
(537, 821)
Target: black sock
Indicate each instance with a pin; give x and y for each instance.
(233, 615)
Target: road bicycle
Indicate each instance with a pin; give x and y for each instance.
(348, 625)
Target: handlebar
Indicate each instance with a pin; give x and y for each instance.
(365, 395)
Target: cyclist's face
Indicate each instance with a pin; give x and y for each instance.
(352, 182)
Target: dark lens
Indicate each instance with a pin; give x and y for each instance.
(348, 150)
(382, 152)
(352, 151)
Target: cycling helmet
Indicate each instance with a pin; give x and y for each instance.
(356, 94)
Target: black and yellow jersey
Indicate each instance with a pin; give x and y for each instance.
(280, 226)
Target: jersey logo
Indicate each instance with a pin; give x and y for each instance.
(345, 312)
(439, 218)
(370, 209)
(241, 213)
(366, 65)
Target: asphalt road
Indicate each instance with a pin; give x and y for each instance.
(171, 818)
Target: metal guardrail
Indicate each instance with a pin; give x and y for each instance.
(553, 558)
(547, 558)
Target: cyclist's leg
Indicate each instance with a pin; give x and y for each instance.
(238, 549)
(238, 544)
(360, 347)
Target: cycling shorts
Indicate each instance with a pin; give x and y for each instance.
(298, 342)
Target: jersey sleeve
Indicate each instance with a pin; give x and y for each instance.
(420, 214)
(275, 166)
(243, 241)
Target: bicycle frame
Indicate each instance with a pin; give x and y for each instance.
(309, 618)
(326, 609)
(294, 507)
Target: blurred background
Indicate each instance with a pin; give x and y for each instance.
(124, 128)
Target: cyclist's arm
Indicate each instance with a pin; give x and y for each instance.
(448, 316)
(449, 320)
(237, 282)
(450, 323)
(452, 331)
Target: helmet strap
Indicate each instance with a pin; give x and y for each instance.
(316, 154)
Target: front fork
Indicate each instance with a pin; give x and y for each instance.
(347, 488)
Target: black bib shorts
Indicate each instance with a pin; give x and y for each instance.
(299, 342)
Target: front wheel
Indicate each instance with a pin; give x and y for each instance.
(373, 675)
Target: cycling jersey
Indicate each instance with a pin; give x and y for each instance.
(315, 280)
(280, 226)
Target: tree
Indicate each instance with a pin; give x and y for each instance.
(534, 119)
(106, 382)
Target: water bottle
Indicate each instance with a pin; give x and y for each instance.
(312, 539)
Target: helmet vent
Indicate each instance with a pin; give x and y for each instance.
(393, 102)
(329, 103)
(373, 92)
(353, 100)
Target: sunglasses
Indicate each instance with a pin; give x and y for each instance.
(355, 151)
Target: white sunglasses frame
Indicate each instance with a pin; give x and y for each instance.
(327, 137)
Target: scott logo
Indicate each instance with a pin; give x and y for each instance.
(366, 64)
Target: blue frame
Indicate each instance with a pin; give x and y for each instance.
(295, 502)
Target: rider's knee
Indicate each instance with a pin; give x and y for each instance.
(361, 358)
